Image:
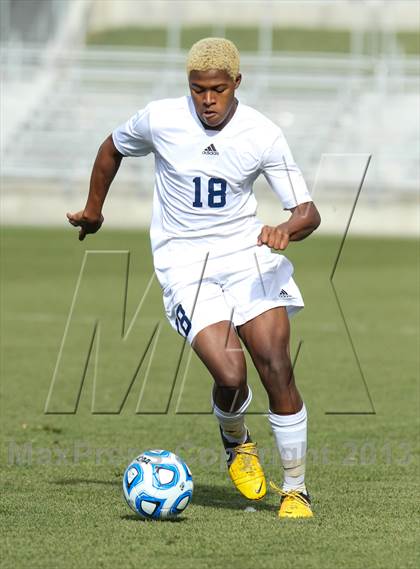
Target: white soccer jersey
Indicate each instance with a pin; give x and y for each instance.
(203, 193)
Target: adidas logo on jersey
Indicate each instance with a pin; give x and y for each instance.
(284, 294)
(210, 150)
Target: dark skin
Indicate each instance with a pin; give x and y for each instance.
(213, 94)
(266, 337)
(106, 165)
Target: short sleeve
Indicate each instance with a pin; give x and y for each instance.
(283, 175)
(134, 137)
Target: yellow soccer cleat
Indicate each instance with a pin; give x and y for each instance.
(245, 469)
(293, 504)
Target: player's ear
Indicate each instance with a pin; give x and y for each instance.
(238, 80)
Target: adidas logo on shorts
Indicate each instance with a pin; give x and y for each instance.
(284, 294)
(210, 150)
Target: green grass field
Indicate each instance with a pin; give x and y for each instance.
(246, 38)
(61, 499)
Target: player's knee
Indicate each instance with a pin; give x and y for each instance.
(233, 382)
(277, 366)
(232, 377)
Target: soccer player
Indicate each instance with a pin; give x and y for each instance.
(221, 281)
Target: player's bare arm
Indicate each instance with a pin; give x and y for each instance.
(304, 220)
(106, 165)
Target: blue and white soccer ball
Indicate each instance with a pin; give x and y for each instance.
(157, 484)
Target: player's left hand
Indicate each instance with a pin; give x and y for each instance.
(275, 237)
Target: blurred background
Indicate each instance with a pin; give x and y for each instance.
(340, 78)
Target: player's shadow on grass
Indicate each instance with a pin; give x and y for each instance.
(75, 481)
(214, 496)
(116, 482)
(134, 518)
(206, 495)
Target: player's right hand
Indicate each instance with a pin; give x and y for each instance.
(86, 224)
(276, 237)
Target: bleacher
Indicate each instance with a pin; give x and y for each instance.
(324, 105)
(61, 98)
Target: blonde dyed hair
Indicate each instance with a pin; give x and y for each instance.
(214, 53)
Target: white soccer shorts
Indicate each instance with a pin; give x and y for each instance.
(235, 287)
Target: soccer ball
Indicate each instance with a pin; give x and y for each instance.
(157, 484)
